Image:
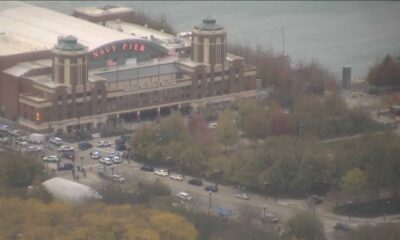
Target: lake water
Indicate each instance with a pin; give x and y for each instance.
(337, 34)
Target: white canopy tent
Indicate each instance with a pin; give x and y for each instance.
(69, 191)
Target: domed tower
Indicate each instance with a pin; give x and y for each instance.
(209, 43)
(70, 62)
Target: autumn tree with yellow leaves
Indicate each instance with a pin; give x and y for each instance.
(33, 219)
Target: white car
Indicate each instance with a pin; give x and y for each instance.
(271, 218)
(177, 177)
(102, 143)
(57, 141)
(33, 148)
(106, 161)
(116, 159)
(184, 196)
(113, 154)
(95, 155)
(212, 125)
(161, 172)
(51, 158)
(22, 143)
(64, 148)
(242, 196)
(117, 178)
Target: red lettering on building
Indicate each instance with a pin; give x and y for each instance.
(95, 54)
(120, 47)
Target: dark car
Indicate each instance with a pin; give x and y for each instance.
(67, 155)
(147, 168)
(196, 181)
(84, 146)
(121, 140)
(120, 147)
(65, 167)
(211, 188)
(341, 227)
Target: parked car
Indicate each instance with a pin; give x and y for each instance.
(117, 178)
(212, 125)
(95, 155)
(67, 155)
(22, 143)
(120, 147)
(196, 182)
(183, 196)
(51, 158)
(113, 154)
(64, 148)
(317, 199)
(84, 146)
(65, 167)
(33, 148)
(56, 141)
(121, 140)
(271, 218)
(161, 172)
(242, 196)
(116, 159)
(211, 188)
(147, 168)
(16, 133)
(106, 161)
(36, 138)
(102, 143)
(6, 140)
(341, 227)
(177, 177)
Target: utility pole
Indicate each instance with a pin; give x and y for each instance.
(283, 41)
(209, 204)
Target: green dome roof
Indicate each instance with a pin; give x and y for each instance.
(209, 24)
(69, 43)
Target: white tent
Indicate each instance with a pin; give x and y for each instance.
(69, 191)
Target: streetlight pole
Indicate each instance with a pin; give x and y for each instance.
(209, 205)
(263, 221)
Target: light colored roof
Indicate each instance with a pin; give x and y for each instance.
(22, 68)
(103, 10)
(165, 39)
(68, 191)
(38, 28)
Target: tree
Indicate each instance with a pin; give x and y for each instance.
(385, 73)
(226, 129)
(193, 159)
(19, 171)
(354, 182)
(173, 128)
(202, 135)
(146, 144)
(32, 219)
(256, 125)
(304, 226)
